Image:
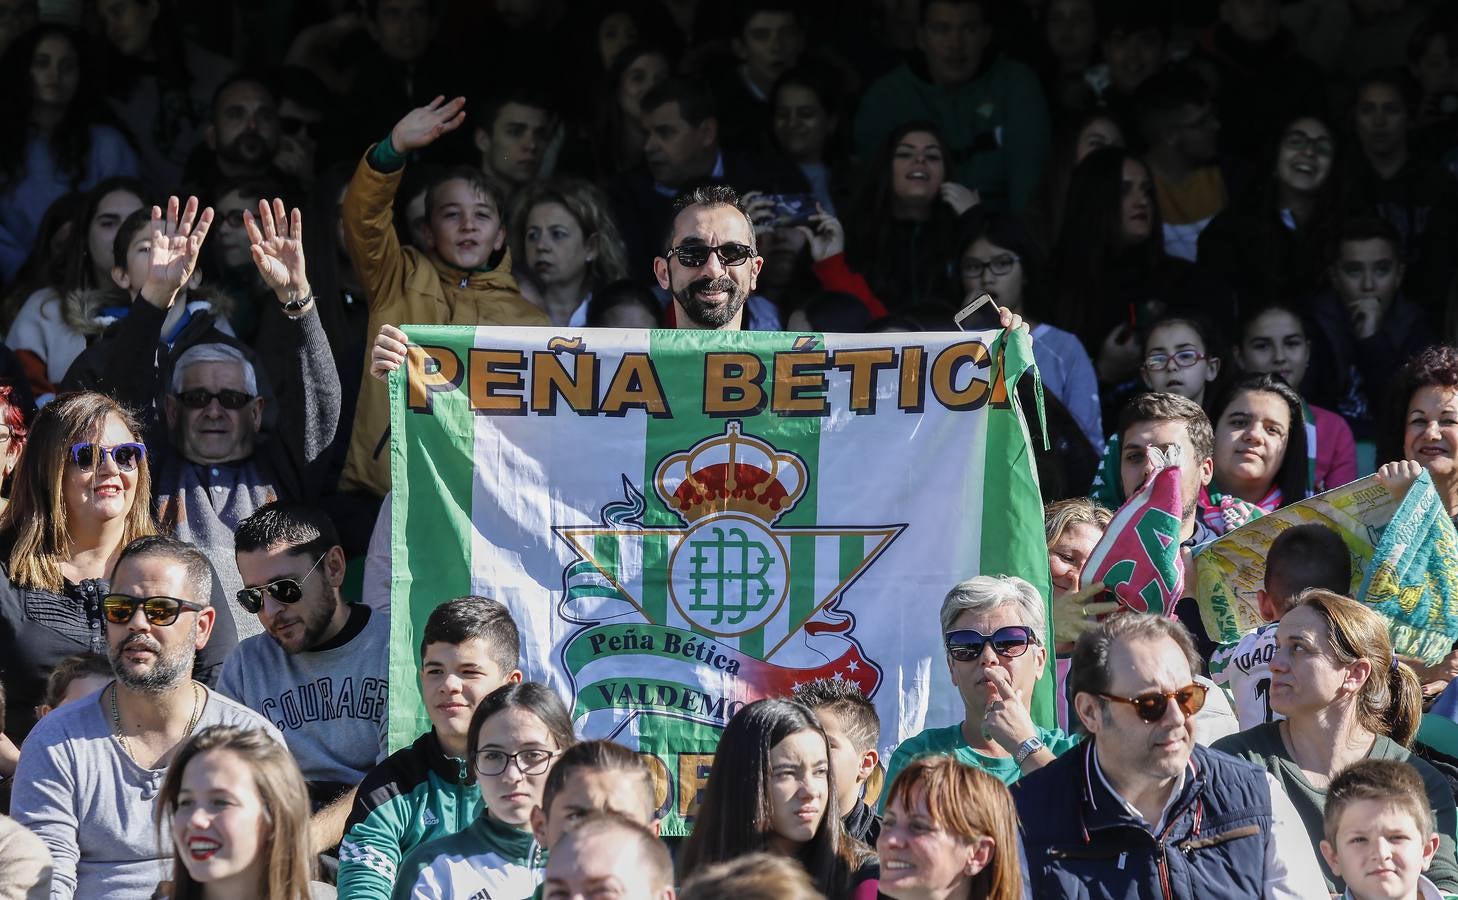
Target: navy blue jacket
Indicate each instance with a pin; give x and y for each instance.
(1083, 843)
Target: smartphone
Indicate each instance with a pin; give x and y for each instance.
(793, 209)
(968, 311)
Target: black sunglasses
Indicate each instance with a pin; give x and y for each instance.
(284, 590)
(694, 256)
(292, 125)
(1009, 641)
(119, 608)
(1151, 706)
(89, 455)
(199, 398)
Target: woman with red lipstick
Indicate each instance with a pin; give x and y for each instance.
(1421, 430)
(1260, 454)
(1345, 698)
(1274, 340)
(516, 733)
(769, 791)
(950, 832)
(239, 816)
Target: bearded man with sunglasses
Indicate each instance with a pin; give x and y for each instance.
(993, 630)
(1142, 810)
(320, 672)
(90, 772)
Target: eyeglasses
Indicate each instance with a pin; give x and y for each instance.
(1151, 706)
(118, 609)
(1300, 142)
(293, 125)
(199, 398)
(1009, 641)
(1158, 362)
(89, 455)
(972, 267)
(693, 256)
(528, 762)
(284, 590)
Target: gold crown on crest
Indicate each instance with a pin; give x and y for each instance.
(731, 472)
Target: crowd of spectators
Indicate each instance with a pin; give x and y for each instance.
(1231, 227)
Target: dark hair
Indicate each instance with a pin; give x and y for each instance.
(464, 618)
(78, 266)
(1091, 239)
(1008, 231)
(708, 195)
(837, 312)
(652, 853)
(1294, 476)
(596, 756)
(824, 84)
(1433, 367)
(69, 143)
(744, 11)
(1392, 782)
(1200, 324)
(734, 816)
(1303, 557)
(1128, 17)
(242, 76)
(125, 233)
(1390, 701)
(695, 101)
(1164, 94)
(192, 560)
(72, 668)
(303, 529)
(926, 5)
(302, 86)
(1396, 77)
(844, 700)
(625, 292)
(1154, 406)
(485, 185)
(753, 876)
(1091, 667)
(537, 699)
(491, 106)
(1365, 228)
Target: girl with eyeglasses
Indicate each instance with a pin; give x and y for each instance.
(995, 635)
(237, 809)
(1274, 340)
(950, 832)
(1345, 698)
(82, 492)
(770, 790)
(516, 733)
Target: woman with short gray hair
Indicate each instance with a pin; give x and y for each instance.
(995, 631)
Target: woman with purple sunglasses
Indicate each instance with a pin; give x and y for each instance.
(994, 633)
(82, 491)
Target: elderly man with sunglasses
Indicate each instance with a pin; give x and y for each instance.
(90, 772)
(1142, 810)
(992, 629)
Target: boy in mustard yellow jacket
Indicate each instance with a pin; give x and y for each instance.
(462, 278)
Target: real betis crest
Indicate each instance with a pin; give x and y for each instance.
(686, 624)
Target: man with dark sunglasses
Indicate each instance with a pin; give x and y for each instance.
(320, 673)
(995, 635)
(89, 775)
(1141, 809)
(710, 264)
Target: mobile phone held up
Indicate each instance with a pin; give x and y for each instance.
(793, 209)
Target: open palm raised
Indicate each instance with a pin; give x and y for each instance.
(278, 249)
(176, 242)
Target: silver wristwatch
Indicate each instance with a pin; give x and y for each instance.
(1028, 748)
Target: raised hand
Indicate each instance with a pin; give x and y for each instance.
(278, 250)
(422, 125)
(825, 234)
(176, 242)
(959, 198)
(388, 353)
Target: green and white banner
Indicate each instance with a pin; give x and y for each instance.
(685, 521)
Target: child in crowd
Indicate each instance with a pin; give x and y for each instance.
(469, 649)
(1274, 340)
(516, 733)
(78, 675)
(462, 277)
(1301, 557)
(853, 730)
(1380, 832)
(239, 816)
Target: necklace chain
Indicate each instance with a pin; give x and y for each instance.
(121, 736)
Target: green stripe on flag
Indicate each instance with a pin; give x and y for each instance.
(802, 576)
(432, 491)
(1016, 545)
(852, 553)
(655, 577)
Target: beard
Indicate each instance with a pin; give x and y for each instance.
(247, 149)
(706, 313)
(314, 617)
(166, 673)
